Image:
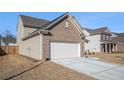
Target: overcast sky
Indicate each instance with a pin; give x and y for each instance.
(114, 21)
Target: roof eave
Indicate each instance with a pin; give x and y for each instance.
(38, 32)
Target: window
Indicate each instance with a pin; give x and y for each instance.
(110, 38)
(105, 37)
(66, 24)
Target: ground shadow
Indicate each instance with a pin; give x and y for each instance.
(2, 52)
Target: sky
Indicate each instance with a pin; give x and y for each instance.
(113, 20)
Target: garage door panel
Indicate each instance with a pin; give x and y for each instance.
(64, 50)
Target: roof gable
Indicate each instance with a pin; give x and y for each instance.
(53, 22)
(45, 24)
(57, 20)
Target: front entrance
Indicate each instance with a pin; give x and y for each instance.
(108, 47)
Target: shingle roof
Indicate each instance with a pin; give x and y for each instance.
(96, 31)
(119, 38)
(44, 25)
(119, 34)
(36, 22)
(33, 22)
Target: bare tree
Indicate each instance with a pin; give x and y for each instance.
(0, 35)
(8, 34)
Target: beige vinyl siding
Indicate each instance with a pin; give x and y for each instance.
(19, 34)
(32, 47)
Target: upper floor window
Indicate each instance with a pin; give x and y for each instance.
(110, 38)
(105, 37)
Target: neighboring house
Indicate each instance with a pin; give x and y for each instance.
(120, 41)
(7, 41)
(99, 40)
(43, 39)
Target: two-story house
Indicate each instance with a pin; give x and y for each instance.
(44, 39)
(119, 39)
(99, 40)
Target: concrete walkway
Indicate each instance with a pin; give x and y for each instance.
(93, 67)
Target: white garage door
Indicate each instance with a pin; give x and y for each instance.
(64, 50)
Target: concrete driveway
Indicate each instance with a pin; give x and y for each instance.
(93, 67)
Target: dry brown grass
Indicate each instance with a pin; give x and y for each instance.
(12, 65)
(9, 62)
(52, 71)
(112, 58)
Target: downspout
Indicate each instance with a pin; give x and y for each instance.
(41, 46)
